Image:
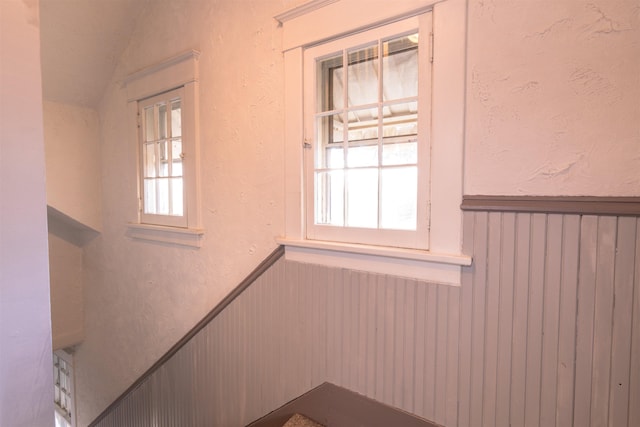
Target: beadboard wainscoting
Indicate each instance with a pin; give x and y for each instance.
(544, 331)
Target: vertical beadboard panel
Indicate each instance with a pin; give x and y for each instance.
(491, 303)
(535, 317)
(505, 317)
(585, 319)
(603, 317)
(634, 380)
(622, 321)
(478, 309)
(520, 317)
(466, 310)
(543, 331)
(550, 322)
(567, 320)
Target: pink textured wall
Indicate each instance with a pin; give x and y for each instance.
(552, 98)
(552, 109)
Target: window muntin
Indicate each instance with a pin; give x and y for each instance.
(368, 179)
(161, 141)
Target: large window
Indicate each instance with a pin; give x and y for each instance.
(367, 123)
(374, 108)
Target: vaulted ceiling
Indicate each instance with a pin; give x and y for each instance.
(81, 41)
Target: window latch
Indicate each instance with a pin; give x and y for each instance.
(306, 144)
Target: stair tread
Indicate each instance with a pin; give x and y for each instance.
(298, 420)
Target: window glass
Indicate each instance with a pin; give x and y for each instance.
(162, 155)
(369, 139)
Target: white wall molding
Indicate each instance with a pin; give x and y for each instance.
(302, 9)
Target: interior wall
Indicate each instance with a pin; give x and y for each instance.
(550, 110)
(141, 297)
(67, 306)
(552, 98)
(72, 148)
(532, 337)
(26, 383)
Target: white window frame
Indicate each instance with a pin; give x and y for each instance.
(68, 359)
(442, 262)
(179, 72)
(413, 239)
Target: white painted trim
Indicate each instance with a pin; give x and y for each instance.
(180, 71)
(301, 10)
(346, 17)
(385, 251)
(442, 269)
(419, 237)
(169, 74)
(191, 237)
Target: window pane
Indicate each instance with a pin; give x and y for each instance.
(399, 193)
(164, 158)
(149, 196)
(330, 133)
(149, 126)
(176, 156)
(400, 119)
(363, 76)
(330, 83)
(176, 118)
(330, 129)
(366, 155)
(362, 198)
(400, 67)
(363, 124)
(400, 153)
(162, 121)
(329, 198)
(149, 160)
(163, 196)
(334, 157)
(177, 197)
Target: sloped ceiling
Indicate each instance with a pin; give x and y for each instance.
(81, 41)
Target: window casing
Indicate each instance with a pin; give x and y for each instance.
(442, 259)
(367, 135)
(163, 110)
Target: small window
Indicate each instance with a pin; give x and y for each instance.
(63, 389)
(163, 111)
(161, 154)
(367, 123)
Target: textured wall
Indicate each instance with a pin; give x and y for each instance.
(26, 384)
(142, 297)
(552, 98)
(551, 92)
(67, 306)
(532, 337)
(72, 148)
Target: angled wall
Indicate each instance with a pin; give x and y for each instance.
(548, 137)
(26, 383)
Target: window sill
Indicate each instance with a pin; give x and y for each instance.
(191, 237)
(414, 264)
